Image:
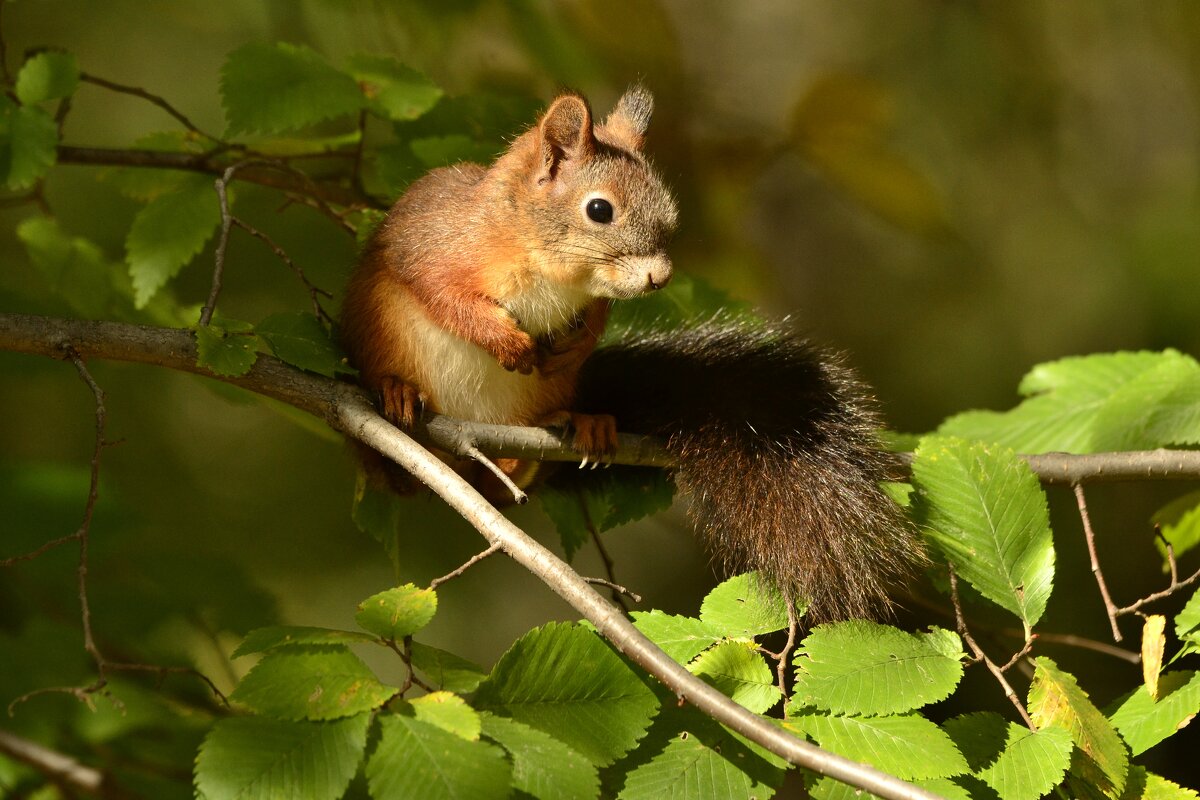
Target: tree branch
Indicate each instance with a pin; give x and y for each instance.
(348, 410)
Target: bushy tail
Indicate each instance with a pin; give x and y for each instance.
(776, 444)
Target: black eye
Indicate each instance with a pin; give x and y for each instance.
(600, 210)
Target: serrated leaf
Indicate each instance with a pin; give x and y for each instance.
(1154, 643)
(394, 91)
(28, 144)
(1179, 522)
(542, 766)
(1145, 785)
(418, 761)
(865, 668)
(1144, 722)
(737, 670)
(744, 606)
(446, 670)
(298, 338)
(1187, 621)
(985, 510)
(245, 757)
(47, 76)
(399, 612)
(1018, 763)
(563, 679)
(682, 638)
(1055, 700)
(315, 683)
(168, 233)
(1159, 407)
(449, 712)
(76, 269)
(689, 769)
(907, 746)
(601, 502)
(271, 88)
(225, 352)
(1070, 396)
(260, 640)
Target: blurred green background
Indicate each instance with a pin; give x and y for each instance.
(951, 192)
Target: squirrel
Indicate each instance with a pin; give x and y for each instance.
(483, 293)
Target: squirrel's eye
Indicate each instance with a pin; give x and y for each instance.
(600, 210)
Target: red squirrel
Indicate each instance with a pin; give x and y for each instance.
(484, 292)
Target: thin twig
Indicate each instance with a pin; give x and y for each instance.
(472, 561)
(981, 656)
(405, 653)
(615, 587)
(314, 292)
(1110, 608)
(610, 567)
(1071, 640)
(137, 91)
(782, 656)
(61, 769)
(1170, 550)
(1175, 586)
(472, 452)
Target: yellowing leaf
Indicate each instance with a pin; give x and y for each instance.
(1154, 641)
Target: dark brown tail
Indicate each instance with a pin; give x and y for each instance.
(777, 449)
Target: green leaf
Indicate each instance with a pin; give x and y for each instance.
(1179, 522)
(864, 668)
(1145, 785)
(684, 300)
(168, 233)
(444, 151)
(298, 338)
(689, 768)
(245, 757)
(225, 352)
(260, 640)
(446, 670)
(449, 712)
(984, 508)
(831, 789)
(1055, 700)
(564, 680)
(47, 76)
(603, 501)
(418, 761)
(377, 512)
(743, 607)
(682, 638)
(399, 612)
(907, 746)
(1143, 723)
(315, 683)
(76, 269)
(542, 766)
(1018, 763)
(393, 90)
(270, 88)
(1159, 407)
(1071, 396)
(737, 670)
(28, 144)
(1187, 621)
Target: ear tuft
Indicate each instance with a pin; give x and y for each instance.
(630, 118)
(566, 130)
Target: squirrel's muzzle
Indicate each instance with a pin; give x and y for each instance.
(655, 270)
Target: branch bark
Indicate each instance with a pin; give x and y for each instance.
(347, 409)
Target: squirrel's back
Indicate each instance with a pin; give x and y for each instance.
(776, 445)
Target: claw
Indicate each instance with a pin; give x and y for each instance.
(583, 464)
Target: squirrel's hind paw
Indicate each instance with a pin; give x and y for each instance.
(595, 434)
(402, 402)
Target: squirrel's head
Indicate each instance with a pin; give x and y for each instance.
(600, 213)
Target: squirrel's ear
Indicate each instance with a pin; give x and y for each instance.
(631, 116)
(566, 130)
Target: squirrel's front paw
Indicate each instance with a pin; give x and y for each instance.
(402, 402)
(519, 356)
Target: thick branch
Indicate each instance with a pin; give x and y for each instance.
(347, 409)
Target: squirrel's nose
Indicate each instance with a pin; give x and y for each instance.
(658, 273)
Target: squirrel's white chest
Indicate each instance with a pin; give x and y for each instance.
(465, 381)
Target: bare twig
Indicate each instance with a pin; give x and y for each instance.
(470, 562)
(137, 91)
(1110, 608)
(222, 187)
(616, 588)
(1170, 550)
(1071, 640)
(59, 768)
(982, 657)
(404, 650)
(314, 292)
(781, 658)
(610, 567)
(349, 410)
(1175, 586)
(519, 497)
